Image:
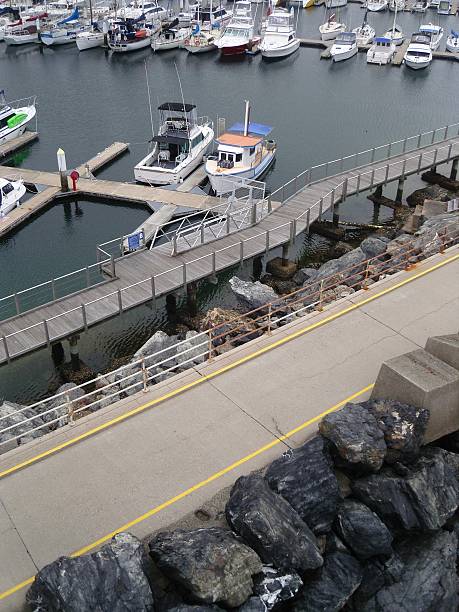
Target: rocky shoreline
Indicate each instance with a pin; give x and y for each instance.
(336, 278)
(362, 518)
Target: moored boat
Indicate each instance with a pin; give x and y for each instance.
(332, 4)
(331, 28)
(375, 6)
(63, 32)
(381, 51)
(419, 53)
(444, 7)
(452, 42)
(179, 148)
(200, 41)
(364, 33)
(89, 40)
(280, 38)
(11, 193)
(129, 35)
(170, 37)
(23, 36)
(435, 32)
(237, 36)
(344, 47)
(15, 116)
(421, 6)
(243, 152)
(395, 35)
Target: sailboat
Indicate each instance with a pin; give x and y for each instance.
(395, 35)
(364, 33)
(64, 32)
(129, 35)
(377, 5)
(331, 28)
(89, 39)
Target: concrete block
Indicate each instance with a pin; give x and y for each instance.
(281, 269)
(421, 379)
(445, 348)
(431, 208)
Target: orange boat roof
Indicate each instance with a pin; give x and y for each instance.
(238, 140)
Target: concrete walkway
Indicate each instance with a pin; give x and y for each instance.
(172, 456)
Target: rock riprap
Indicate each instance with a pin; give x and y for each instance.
(252, 295)
(111, 580)
(210, 564)
(305, 478)
(274, 587)
(271, 526)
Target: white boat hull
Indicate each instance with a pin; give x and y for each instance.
(331, 4)
(376, 7)
(13, 199)
(126, 47)
(7, 134)
(326, 34)
(58, 40)
(416, 65)
(91, 40)
(200, 48)
(344, 55)
(381, 59)
(220, 183)
(13, 40)
(452, 45)
(284, 51)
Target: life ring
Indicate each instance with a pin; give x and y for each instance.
(197, 42)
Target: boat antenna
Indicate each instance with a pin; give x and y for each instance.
(149, 99)
(183, 102)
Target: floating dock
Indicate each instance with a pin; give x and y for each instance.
(17, 143)
(152, 224)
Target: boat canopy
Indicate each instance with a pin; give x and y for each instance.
(9, 9)
(382, 39)
(454, 34)
(238, 140)
(349, 37)
(430, 29)
(254, 128)
(177, 107)
(73, 17)
(421, 39)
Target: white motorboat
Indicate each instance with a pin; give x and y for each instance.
(396, 5)
(212, 18)
(452, 42)
(332, 4)
(331, 28)
(15, 116)
(395, 35)
(435, 32)
(237, 37)
(11, 193)
(444, 7)
(364, 33)
(344, 47)
(179, 148)
(421, 6)
(242, 8)
(381, 51)
(169, 38)
(279, 38)
(243, 152)
(89, 40)
(419, 53)
(375, 6)
(150, 12)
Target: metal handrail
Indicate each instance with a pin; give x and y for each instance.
(143, 369)
(334, 193)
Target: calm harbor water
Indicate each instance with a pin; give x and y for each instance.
(319, 111)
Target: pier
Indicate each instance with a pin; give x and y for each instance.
(145, 275)
(17, 143)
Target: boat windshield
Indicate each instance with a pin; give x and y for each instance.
(347, 38)
(236, 32)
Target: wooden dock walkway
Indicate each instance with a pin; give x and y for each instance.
(145, 275)
(27, 209)
(193, 180)
(400, 54)
(17, 143)
(104, 158)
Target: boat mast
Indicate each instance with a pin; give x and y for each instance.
(247, 118)
(90, 12)
(183, 103)
(395, 17)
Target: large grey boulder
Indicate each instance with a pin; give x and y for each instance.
(355, 434)
(159, 341)
(403, 426)
(422, 496)
(193, 350)
(334, 584)
(373, 246)
(362, 530)
(428, 580)
(17, 416)
(252, 295)
(429, 239)
(253, 604)
(305, 478)
(271, 526)
(274, 587)
(345, 269)
(111, 580)
(305, 275)
(59, 406)
(211, 564)
(377, 573)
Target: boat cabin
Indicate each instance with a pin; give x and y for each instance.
(178, 133)
(280, 21)
(444, 7)
(383, 44)
(213, 17)
(346, 38)
(421, 39)
(239, 150)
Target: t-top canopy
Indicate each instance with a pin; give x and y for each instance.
(177, 106)
(381, 39)
(254, 128)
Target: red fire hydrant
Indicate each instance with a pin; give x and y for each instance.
(74, 175)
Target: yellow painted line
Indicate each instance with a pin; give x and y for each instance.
(196, 487)
(222, 370)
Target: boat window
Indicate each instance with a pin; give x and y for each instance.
(252, 150)
(8, 188)
(222, 156)
(196, 140)
(238, 157)
(4, 120)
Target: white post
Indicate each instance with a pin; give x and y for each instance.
(247, 118)
(62, 167)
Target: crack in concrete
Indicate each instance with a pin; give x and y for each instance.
(14, 527)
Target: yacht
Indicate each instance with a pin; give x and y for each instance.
(344, 47)
(129, 35)
(243, 152)
(22, 36)
(381, 51)
(279, 39)
(452, 42)
(364, 33)
(435, 32)
(237, 37)
(15, 116)
(11, 193)
(331, 28)
(420, 6)
(179, 148)
(376, 5)
(419, 53)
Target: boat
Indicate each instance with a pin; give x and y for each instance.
(332, 4)
(396, 5)
(179, 148)
(10, 17)
(63, 32)
(395, 35)
(381, 51)
(421, 6)
(150, 12)
(238, 35)
(23, 36)
(375, 6)
(89, 39)
(212, 18)
(242, 8)
(331, 28)
(279, 38)
(243, 152)
(169, 38)
(364, 33)
(129, 35)
(11, 193)
(444, 7)
(435, 32)
(344, 47)
(200, 41)
(15, 116)
(419, 53)
(452, 42)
